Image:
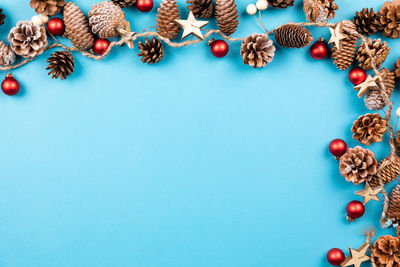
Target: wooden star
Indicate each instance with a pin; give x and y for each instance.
(357, 256)
(368, 85)
(337, 35)
(369, 193)
(192, 26)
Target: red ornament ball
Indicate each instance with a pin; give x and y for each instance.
(319, 50)
(335, 256)
(337, 147)
(100, 46)
(56, 26)
(219, 48)
(357, 75)
(144, 5)
(10, 85)
(355, 209)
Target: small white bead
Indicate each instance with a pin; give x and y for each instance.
(44, 18)
(251, 9)
(262, 4)
(398, 112)
(36, 20)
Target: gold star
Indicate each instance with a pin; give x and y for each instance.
(369, 193)
(192, 26)
(337, 35)
(357, 256)
(368, 85)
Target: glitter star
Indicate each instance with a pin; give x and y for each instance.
(192, 26)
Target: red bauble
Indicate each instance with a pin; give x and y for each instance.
(335, 256)
(219, 48)
(100, 46)
(355, 209)
(357, 75)
(144, 5)
(56, 26)
(319, 50)
(338, 147)
(10, 85)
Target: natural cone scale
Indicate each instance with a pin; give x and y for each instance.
(257, 50)
(227, 16)
(168, 12)
(151, 51)
(123, 3)
(202, 9)
(61, 64)
(388, 170)
(344, 57)
(281, 3)
(319, 11)
(379, 51)
(47, 7)
(367, 21)
(293, 36)
(105, 18)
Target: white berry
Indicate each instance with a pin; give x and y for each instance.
(36, 20)
(262, 4)
(251, 9)
(44, 18)
(398, 112)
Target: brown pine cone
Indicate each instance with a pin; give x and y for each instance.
(369, 128)
(396, 69)
(47, 7)
(390, 20)
(386, 251)
(358, 165)
(367, 21)
(123, 3)
(203, 9)
(61, 64)
(27, 39)
(388, 170)
(379, 52)
(393, 211)
(2, 17)
(388, 78)
(375, 100)
(319, 10)
(151, 52)
(227, 16)
(7, 55)
(105, 18)
(293, 36)
(168, 12)
(397, 142)
(77, 27)
(257, 50)
(344, 57)
(280, 3)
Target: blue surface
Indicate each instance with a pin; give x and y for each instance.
(196, 161)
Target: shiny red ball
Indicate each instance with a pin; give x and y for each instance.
(144, 5)
(56, 26)
(10, 85)
(355, 209)
(219, 48)
(357, 75)
(335, 256)
(100, 46)
(319, 50)
(337, 147)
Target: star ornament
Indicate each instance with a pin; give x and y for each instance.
(369, 193)
(192, 26)
(337, 35)
(368, 85)
(357, 256)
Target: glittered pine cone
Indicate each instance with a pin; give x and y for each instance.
(123, 3)
(369, 128)
(151, 52)
(388, 170)
(379, 51)
(358, 165)
(293, 36)
(168, 12)
(396, 69)
(2, 17)
(105, 18)
(47, 7)
(7, 55)
(28, 39)
(344, 57)
(367, 21)
(386, 251)
(390, 19)
(203, 9)
(280, 3)
(61, 64)
(227, 16)
(257, 50)
(319, 11)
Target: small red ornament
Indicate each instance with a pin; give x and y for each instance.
(319, 50)
(219, 48)
(355, 209)
(335, 256)
(144, 5)
(10, 85)
(337, 147)
(56, 26)
(357, 75)
(100, 46)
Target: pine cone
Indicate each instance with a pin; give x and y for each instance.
(358, 165)
(201, 8)
(7, 55)
(293, 36)
(386, 251)
(280, 3)
(397, 143)
(367, 21)
(390, 20)
(168, 12)
(319, 11)
(227, 16)
(47, 7)
(379, 52)
(151, 52)
(396, 69)
(105, 18)
(388, 170)
(369, 128)
(257, 50)
(77, 27)
(2, 17)
(123, 3)
(375, 100)
(28, 39)
(61, 64)
(393, 211)
(344, 57)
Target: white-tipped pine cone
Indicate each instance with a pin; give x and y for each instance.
(7, 55)
(105, 18)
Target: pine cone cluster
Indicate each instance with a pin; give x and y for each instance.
(27, 39)
(367, 21)
(344, 57)
(388, 170)
(390, 19)
(280, 3)
(257, 50)
(168, 12)
(61, 64)
(7, 55)
(375, 100)
(319, 10)
(151, 52)
(227, 16)
(369, 128)
(379, 50)
(203, 9)
(386, 251)
(2, 17)
(393, 211)
(396, 69)
(105, 18)
(358, 165)
(293, 36)
(47, 7)
(123, 3)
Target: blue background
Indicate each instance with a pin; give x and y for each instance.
(196, 161)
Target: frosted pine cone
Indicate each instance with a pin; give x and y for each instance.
(375, 100)
(61, 64)
(123, 3)
(280, 3)
(47, 7)
(390, 20)
(105, 18)
(344, 57)
(369, 128)
(257, 50)
(386, 251)
(201, 8)
(227, 16)
(379, 51)
(319, 10)
(7, 55)
(293, 36)
(168, 12)
(367, 21)
(151, 52)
